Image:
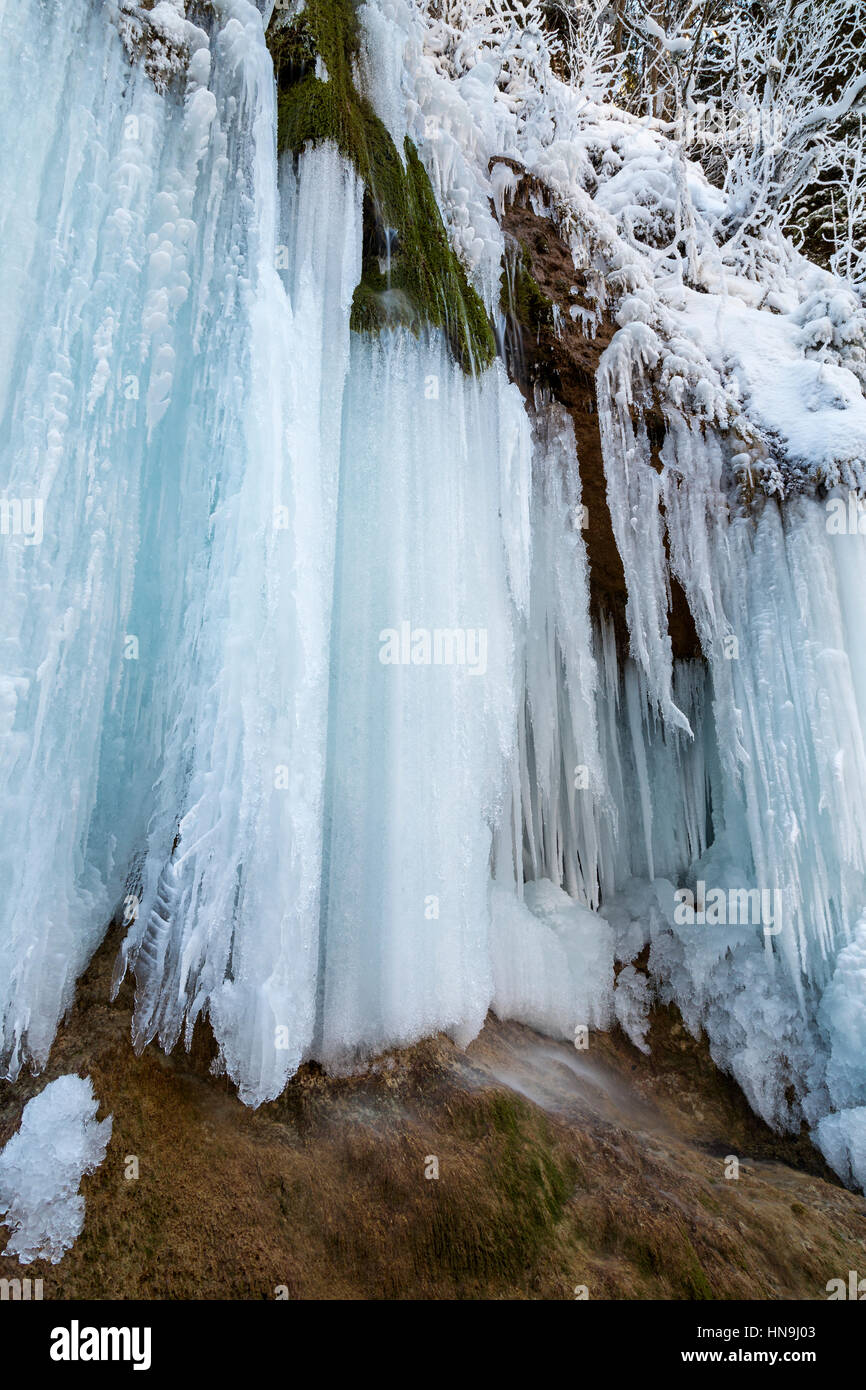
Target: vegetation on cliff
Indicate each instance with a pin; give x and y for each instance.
(410, 273)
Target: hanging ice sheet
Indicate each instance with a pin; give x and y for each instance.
(432, 577)
(99, 236)
(164, 670)
(777, 603)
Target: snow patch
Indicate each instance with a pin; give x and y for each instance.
(58, 1142)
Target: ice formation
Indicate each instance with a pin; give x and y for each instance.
(303, 671)
(41, 1167)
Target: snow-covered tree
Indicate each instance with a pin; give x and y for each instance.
(769, 95)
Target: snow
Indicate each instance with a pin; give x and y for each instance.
(552, 961)
(58, 1142)
(814, 411)
(162, 35)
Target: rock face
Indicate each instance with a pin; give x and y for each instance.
(549, 348)
(557, 1170)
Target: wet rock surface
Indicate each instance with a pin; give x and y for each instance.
(558, 1170)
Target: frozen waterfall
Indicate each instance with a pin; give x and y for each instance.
(299, 672)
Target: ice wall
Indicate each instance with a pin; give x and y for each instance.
(188, 732)
(230, 886)
(97, 238)
(298, 664)
(174, 406)
(432, 579)
(774, 596)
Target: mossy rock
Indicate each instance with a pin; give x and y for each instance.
(526, 301)
(410, 274)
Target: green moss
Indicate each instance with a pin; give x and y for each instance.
(694, 1281)
(410, 274)
(661, 1256)
(501, 1226)
(526, 300)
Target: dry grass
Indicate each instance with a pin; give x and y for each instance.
(324, 1191)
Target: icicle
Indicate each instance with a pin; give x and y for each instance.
(230, 903)
(431, 582)
(559, 747)
(633, 495)
(100, 266)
